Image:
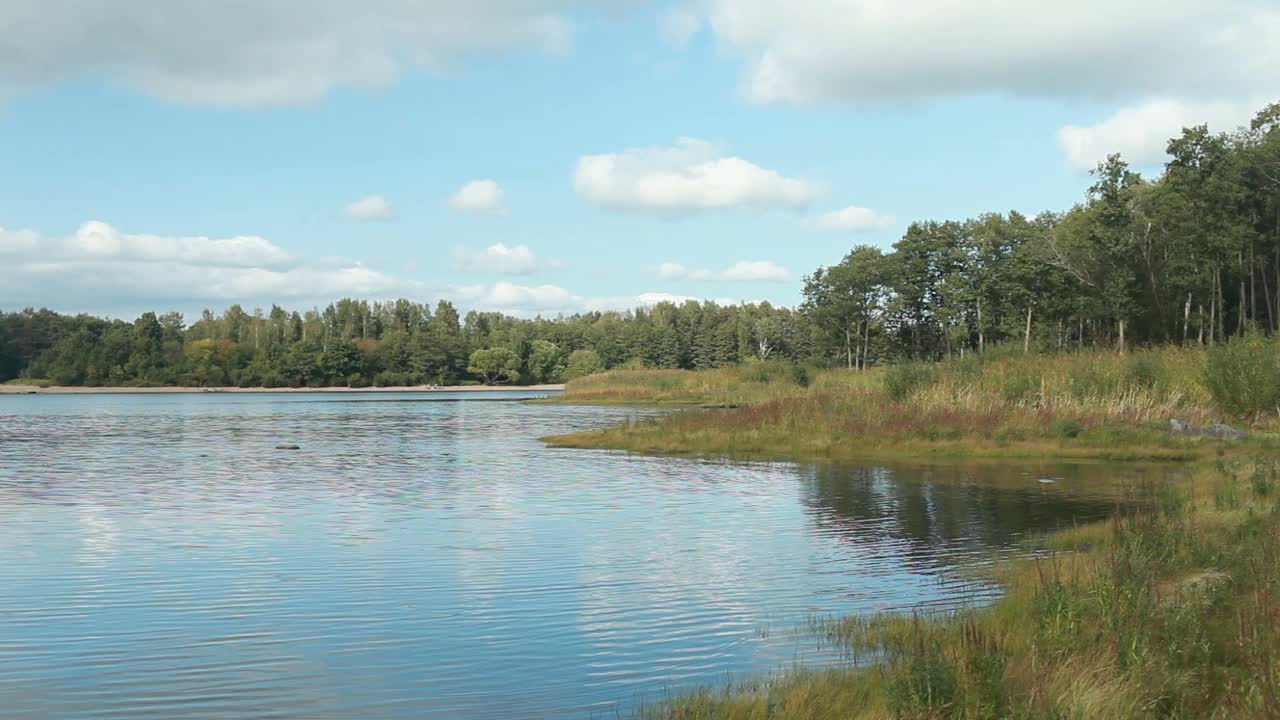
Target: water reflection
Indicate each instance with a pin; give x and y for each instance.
(432, 559)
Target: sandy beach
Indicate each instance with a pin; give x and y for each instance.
(28, 389)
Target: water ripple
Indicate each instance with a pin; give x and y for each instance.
(433, 560)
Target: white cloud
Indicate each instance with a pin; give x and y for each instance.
(550, 300)
(480, 196)
(678, 25)
(872, 51)
(1141, 132)
(269, 52)
(756, 270)
(647, 300)
(17, 241)
(100, 268)
(519, 299)
(98, 240)
(373, 207)
(743, 270)
(692, 176)
(501, 258)
(854, 219)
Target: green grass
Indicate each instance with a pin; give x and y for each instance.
(1168, 612)
(1084, 405)
(31, 382)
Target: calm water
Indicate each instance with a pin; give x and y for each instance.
(427, 558)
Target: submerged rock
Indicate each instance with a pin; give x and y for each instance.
(1220, 432)
(288, 447)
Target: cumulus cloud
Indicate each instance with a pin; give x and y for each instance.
(270, 52)
(854, 219)
(100, 241)
(519, 299)
(743, 270)
(100, 268)
(1141, 132)
(691, 176)
(503, 259)
(480, 196)
(373, 207)
(871, 51)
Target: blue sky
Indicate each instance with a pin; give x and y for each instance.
(162, 155)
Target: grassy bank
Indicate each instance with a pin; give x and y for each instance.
(1083, 405)
(1169, 612)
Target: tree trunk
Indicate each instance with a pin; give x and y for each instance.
(1253, 285)
(1121, 336)
(1213, 306)
(980, 338)
(866, 345)
(1244, 318)
(1266, 298)
(848, 347)
(1026, 338)
(1186, 318)
(1222, 308)
(1200, 315)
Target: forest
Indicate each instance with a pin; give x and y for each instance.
(1189, 257)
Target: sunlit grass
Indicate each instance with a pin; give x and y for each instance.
(1080, 405)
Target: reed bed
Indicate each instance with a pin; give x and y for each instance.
(1086, 404)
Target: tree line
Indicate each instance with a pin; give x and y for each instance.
(1192, 256)
(358, 343)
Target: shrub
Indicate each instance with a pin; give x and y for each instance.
(1243, 376)
(906, 379)
(583, 363)
(1068, 429)
(777, 371)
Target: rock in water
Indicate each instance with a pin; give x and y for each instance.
(288, 447)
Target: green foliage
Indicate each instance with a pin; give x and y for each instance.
(1068, 429)
(495, 365)
(904, 380)
(583, 363)
(777, 371)
(1243, 375)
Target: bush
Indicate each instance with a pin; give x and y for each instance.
(1243, 376)
(777, 371)
(583, 363)
(906, 379)
(1068, 429)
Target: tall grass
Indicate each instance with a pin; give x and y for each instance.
(1171, 611)
(1094, 404)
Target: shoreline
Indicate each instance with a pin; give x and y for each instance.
(176, 390)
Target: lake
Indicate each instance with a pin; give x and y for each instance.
(424, 556)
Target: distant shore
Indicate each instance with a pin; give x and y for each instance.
(61, 390)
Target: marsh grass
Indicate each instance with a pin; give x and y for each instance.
(1168, 610)
(1078, 405)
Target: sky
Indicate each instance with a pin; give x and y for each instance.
(552, 156)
